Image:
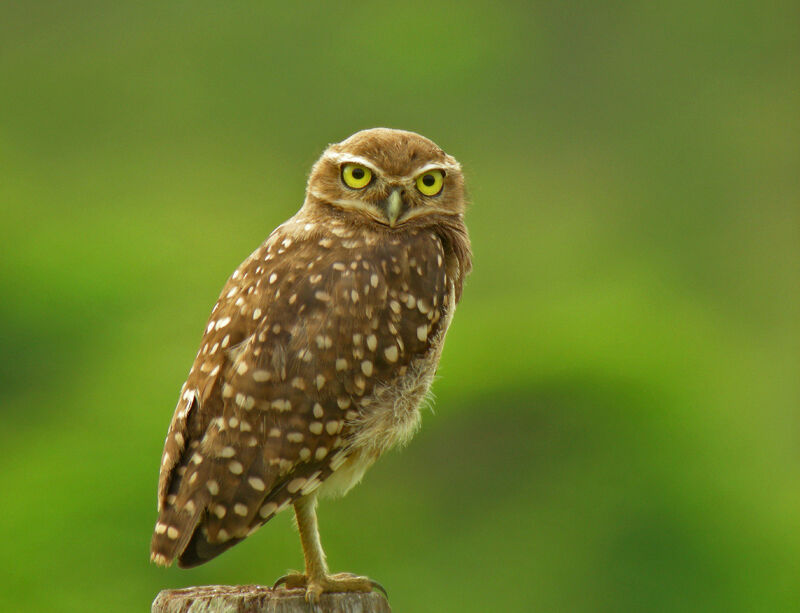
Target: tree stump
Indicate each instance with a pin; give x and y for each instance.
(260, 599)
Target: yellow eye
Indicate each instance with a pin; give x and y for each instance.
(430, 183)
(356, 176)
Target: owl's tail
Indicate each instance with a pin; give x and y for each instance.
(199, 550)
(173, 531)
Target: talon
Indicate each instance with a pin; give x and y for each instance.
(315, 587)
(378, 586)
(280, 581)
(313, 592)
(291, 581)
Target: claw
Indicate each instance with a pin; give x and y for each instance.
(280, 581)
(313, 592)
(333, 583)
(291, 580)
(378, 586)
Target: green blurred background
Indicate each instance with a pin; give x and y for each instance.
(616, 425)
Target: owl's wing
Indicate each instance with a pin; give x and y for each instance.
(305, 335)
(200, 432)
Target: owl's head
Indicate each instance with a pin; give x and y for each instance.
(389, 177)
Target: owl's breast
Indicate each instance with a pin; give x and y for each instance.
(387, 302)
(390, 415)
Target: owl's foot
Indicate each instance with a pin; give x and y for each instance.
(340, 582)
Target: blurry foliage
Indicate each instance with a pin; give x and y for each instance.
(616, 425)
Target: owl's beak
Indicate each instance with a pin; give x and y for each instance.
(393, 207)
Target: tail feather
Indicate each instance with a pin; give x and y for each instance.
(199, 550)
(173, 531)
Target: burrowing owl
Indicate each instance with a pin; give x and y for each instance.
(318, 353)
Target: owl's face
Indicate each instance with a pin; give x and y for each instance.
(388, 177)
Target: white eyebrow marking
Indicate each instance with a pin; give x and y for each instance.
(443, 166)
(346, 158)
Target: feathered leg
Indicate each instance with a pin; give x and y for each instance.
(316, 579)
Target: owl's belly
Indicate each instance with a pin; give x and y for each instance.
(392, 419)
(388, 417)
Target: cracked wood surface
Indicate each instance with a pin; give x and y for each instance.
(260, 599)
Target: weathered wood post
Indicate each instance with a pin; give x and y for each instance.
(260, 599)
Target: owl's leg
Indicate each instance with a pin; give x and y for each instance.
(316, 579)
(305, 510)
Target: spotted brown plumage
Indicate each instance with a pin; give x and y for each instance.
(318, 352)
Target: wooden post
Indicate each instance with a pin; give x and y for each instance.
(260, 599)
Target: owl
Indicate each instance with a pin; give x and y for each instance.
(318, 353)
